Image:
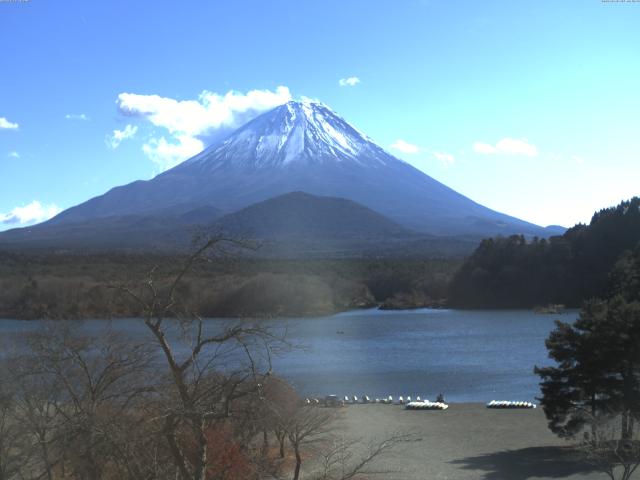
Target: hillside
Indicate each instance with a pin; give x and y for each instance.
(118, 232)
(301, 215)
(294, 225)
(511, 272)
(76, 286)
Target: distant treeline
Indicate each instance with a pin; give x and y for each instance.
(512, 272)
(503, 272)
(78, 286)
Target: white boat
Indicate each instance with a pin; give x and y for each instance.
(426, 405)
(509, 404)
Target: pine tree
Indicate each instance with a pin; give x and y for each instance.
(598, 368)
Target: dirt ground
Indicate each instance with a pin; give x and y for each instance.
(467, 441)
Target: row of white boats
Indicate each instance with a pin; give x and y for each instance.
(426, 405)
(334, 400)
(408, 402)
(509, 404)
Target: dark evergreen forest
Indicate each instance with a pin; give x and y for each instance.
(513, 272)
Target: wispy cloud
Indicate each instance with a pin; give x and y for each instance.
(76, 116)
(115, 139)
(13, 154)
(34, 212)
(484, 148)
(167, 154)
(507, 146)
(577, 159)
(405, 147)
(564, 158)
(6, 124)
(305, 99)
(349, 81)
(445, 158)
(411, 149)
(189, 123)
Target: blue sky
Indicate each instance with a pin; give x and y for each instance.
(530, 108)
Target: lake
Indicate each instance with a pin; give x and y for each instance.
(468, 355)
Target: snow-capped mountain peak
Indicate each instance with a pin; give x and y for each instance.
(298, 132)
(302, 147)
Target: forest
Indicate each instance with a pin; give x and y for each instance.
(503, 272)
(513, 272)
(69, 286)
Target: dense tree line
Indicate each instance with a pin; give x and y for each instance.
(74, 286)
(512, 272)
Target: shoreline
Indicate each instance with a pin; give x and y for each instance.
(466, 442)
(307, 315)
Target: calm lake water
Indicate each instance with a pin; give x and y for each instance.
(469, 356)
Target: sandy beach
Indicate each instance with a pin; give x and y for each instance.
(467, 441)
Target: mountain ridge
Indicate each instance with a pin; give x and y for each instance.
(293, 225)
(299, 214)
(300, 147)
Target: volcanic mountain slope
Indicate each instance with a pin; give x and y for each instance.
(302, 146)
(116, 232)
(298, 224)
(300, 215)
(292, 225)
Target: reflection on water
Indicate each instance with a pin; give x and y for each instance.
(466, 355)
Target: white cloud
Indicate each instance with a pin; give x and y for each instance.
(6, 124)
(577, 159)
(511, 146)
(118, 136)
(349, 81)
(29, 214)
(13, 154)
(189, 121)
(484, 148)
(76, 116)
(405, 147)
(305, 99)
(167, 155)
(446, 158)
(507, 146)
(411, 149)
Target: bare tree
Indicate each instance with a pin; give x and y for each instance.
(281, 402)
(610, 450)
(75, 404)
(84, 395)
(309, 425)
(340, 462)
(213, 369)
(38, 399)
(10, 437)
(197, 402)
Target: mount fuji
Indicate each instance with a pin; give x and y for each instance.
(296, 147)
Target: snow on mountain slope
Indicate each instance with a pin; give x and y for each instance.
(301, 132)
(306, 147)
